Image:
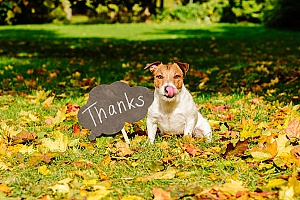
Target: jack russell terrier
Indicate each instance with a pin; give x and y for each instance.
(173, 108)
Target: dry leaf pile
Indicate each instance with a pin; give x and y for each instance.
(251, 136)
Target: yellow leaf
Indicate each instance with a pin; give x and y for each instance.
(267, 149)
(232, 187)
(103, 185)
(4, 188)
(132, 198)
(275, 183)
(295, 184)
(106, 160)
(4, 166)
(60, 116)
(250, 131)
(40, 95)
(47, 103)
(27, 149)
(65, 181)
(167, 174)
(33, 118)
(98, 194)
(44, 170)
(282, 145)
(60, 188)
(58, 144)
(286, 193)
(90, 182)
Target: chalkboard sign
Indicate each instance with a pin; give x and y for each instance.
(110, 106)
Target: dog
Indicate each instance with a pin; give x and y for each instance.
(173, 109)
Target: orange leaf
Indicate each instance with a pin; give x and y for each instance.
(4, 188)
(191, 149)
(160, 194)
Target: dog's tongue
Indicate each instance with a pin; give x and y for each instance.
(170, 91)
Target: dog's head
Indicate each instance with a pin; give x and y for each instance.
(168, 79)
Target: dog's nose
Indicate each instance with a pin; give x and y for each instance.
(170, 91)
(166, 89)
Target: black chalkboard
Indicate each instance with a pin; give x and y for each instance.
(110, 106)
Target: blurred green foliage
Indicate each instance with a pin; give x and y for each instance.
(273, 13)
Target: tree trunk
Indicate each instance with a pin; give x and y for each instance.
(161, 6)
(67, 8)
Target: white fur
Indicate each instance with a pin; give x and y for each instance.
(176, 115)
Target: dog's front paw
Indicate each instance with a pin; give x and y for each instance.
(151, 140)
(208, 136)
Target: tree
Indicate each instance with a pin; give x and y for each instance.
(282, 14)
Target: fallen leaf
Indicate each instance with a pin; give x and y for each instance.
(90, 182)
(65, 181)
(38, 157)
(132, 197)
(60, 188)
(106, 160)
(293, 129)
(160, 194)
(220, 108)
(232, 187)
(192, 150)
(123, 149)
(60, 116)
(4, 188)
(237, 149)
(276, 183)
(48, 102)
(58, 143)
(267, 149)
(286, 193)
(295, 184)
(98, 194)
(44, 170)
(168, 174)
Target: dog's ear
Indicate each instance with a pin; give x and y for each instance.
(183, 66)
(153, 66)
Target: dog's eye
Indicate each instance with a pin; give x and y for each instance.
(177, 76)
(159, 77)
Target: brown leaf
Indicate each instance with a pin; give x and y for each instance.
(123, 149)
(24, 136)
(236, 150)
(296, 151)
(160, 194)
(293, 129)
(220, 108)
(36, 158)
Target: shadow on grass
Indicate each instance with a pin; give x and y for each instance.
(223, 59)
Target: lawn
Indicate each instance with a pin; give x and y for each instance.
(244, 79)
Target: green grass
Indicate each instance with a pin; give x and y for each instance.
(243, 75)
(238, 58)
